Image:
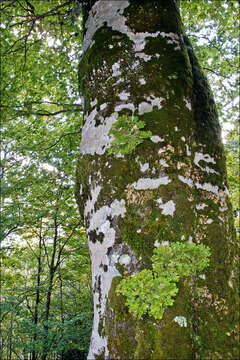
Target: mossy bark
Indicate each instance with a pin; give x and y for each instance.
(172, 187)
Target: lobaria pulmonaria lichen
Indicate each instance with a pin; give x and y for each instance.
(152, 291)
(127, 134)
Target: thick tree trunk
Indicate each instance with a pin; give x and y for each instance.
(171, 187)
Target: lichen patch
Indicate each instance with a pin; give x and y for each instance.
(149, 183)
(96, 139)
(181, 321)
(168, 208)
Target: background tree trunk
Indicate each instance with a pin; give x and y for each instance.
(37, 300)
(171, 187)
(52, 270)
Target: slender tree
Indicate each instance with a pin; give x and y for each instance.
(152, 171)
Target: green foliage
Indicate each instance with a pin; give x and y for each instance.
(70, 320)
(213, 28)
(151, 291)
(127, 134)
(232, 159)
(41, 233)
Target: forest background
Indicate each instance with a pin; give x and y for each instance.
(45, 266)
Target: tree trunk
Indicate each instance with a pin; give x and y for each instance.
(37, 300)
(171, 187)
(52, 270)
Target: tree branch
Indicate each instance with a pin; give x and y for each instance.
(216, 73)
(48, 13)
(57, 141)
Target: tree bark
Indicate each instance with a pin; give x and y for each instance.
(172, 187)
(52, 271)
(37, 300)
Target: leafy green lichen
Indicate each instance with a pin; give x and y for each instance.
(127, 134)
(151, 291)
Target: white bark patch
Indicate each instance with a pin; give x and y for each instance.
(111, 13)
(207, 158)
(144, 56)
(188, 103)
(81, 190)
(142, 81)
(165, 243)
(172, 38)
(124, 259)
(149, 183)
(144, 167)
(188, 150)
(101, 12)
(209, 221)
(116, 69)
(187, 181)
(103, 106)
(147, 106)
(156, 139)
(119, 81)
(144, 107)
(163, 163)
(124, 95)
(82, 101)
(168, 208)
(102, 280)
(118, 108)
(201, 206)
(208, 187)
(90, 203)
(96, 139)
(135, 65)
(93, 103)
(99, 219)
(181, 321)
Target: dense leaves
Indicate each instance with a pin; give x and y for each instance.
(213, 28)
(46, 295)
(233, 158)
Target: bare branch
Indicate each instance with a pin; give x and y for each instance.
(46, 14)
(57, 141)
(216, 73)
